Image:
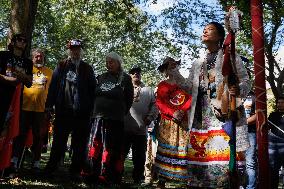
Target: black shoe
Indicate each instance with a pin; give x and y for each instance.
(11, 171)
(102, 180)
(138, 182)
(44, 149)
(91, 180)
(146, 184)
(76, 177)
(47, 172)
(161, 184)
(36, 170)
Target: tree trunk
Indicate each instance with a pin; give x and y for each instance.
(271, 78)
(270, 43)
(23, 13)
(280, 83)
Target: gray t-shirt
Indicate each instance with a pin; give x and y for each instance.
(143, 107)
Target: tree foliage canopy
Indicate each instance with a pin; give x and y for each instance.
(273, 18)
(141, 36)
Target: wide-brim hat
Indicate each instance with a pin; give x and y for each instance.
(135, 70)
(165, 63)
(15, 38)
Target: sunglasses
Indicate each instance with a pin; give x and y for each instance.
(20, 39)
(133, 73)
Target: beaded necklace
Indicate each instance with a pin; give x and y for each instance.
(211, 60)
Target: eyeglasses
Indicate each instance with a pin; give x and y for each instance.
(20, 39)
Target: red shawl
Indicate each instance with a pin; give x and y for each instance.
(170, 98)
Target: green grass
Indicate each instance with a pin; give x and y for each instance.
(28, 180)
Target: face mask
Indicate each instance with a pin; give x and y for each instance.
(38, 65)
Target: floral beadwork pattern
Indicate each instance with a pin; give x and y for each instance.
(209, 151)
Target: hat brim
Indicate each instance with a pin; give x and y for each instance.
(164, 66)
(74, 46)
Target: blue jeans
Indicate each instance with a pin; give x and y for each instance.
(251, 162)
(276, 158)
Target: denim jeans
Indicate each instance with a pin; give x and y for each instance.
(276, 158)
(251, 162)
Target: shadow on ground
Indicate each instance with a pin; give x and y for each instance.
(27, 179)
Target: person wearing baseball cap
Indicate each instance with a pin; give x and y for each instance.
(135, 70)
(75, 50)
(142, 112)
(72, 93)
(73, 43)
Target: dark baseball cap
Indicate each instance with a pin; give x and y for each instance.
(74, 43)
(135, 70)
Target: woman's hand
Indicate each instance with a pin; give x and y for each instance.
(19, 75)
(233, 90)
(178, 115)
(147, 121)
(25, 79)
(9, 80)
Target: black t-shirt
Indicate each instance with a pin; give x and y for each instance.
(71, 89)
(6, 91)
(113, 99)
(277, 118)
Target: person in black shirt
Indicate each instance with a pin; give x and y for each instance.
(113, 99)
(71, 91)
(276, 142)
(14, 69)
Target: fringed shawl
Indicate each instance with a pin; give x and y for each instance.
(193, 80)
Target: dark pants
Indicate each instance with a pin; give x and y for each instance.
(36, 121)
(276, 158)
(80, 128)
(5, 101)
(138, 143)
(106, 151)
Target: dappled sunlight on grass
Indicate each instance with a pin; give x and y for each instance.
(61, 180)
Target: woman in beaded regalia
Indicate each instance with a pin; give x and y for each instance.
(209, 150)
(173, 102)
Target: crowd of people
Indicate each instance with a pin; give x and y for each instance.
(177, 132)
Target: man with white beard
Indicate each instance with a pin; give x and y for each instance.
(33, 116)
(72, 93)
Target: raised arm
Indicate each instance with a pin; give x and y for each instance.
(244, 82)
